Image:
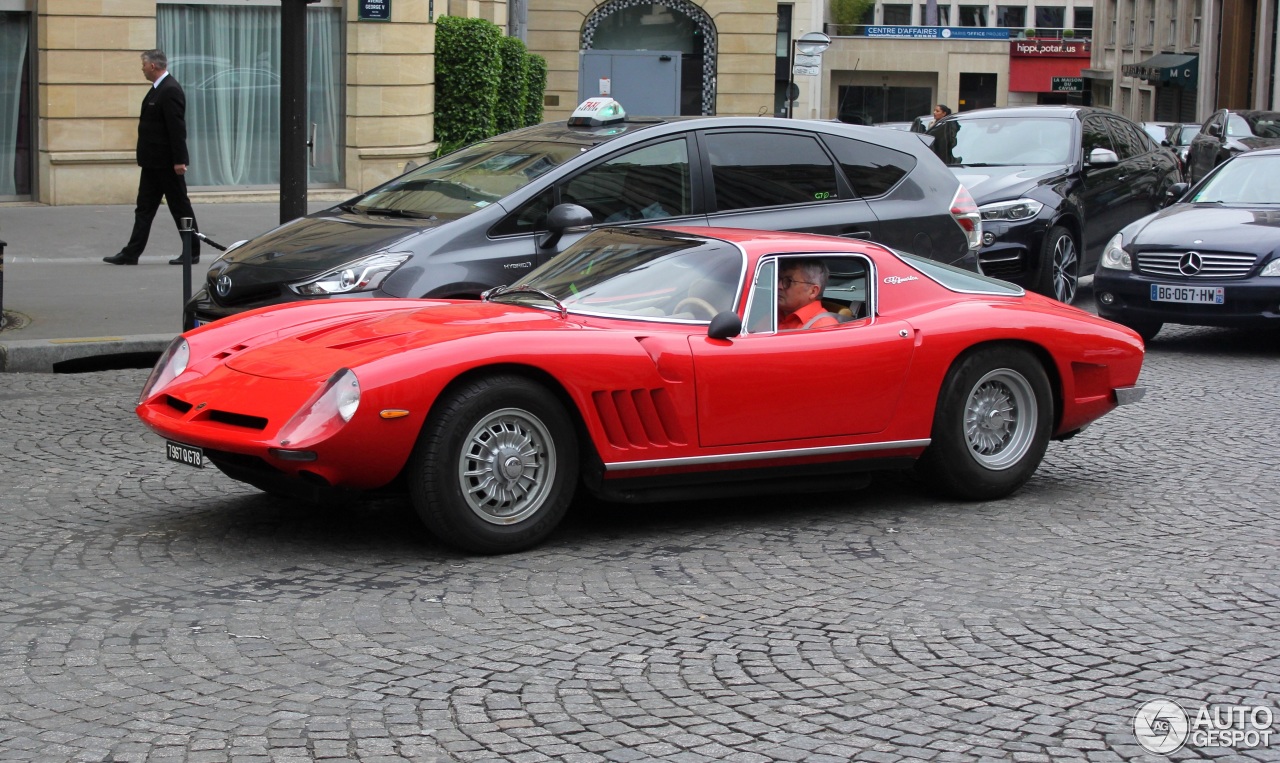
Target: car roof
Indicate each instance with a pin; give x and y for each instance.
(1052, 112)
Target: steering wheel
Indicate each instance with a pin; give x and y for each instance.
(697, 302)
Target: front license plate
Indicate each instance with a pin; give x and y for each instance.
(1199, 295)
(184, 454)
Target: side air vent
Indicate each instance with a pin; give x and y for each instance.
(638, 418)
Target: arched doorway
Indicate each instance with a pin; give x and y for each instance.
(662, 25)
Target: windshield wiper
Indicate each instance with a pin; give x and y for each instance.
(502, 291)
(390, 212)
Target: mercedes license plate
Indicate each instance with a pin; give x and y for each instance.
(1199, 295)
(184, 454)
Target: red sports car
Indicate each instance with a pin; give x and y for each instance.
(644, 364)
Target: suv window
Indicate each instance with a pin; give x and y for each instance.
(1127, 145)
(872, 170)
(767, 169)
(645, 184)
(1095, 135)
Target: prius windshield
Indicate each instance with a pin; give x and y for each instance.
(1003, 141)
(469, 179)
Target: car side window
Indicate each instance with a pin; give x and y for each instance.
(872, 170)
(531, 217)
(645, 184)
(1094, 134)
(768, 169)
(785, 284)
(1127, 146)
(1237, 127)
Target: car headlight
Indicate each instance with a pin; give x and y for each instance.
(361, 275)
(1021, 209)
(170, 365)
(1114, 256)
(1272, 268)
(325, 412)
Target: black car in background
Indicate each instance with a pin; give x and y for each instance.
(1179, 141)
(491, 212)
(1211, 259)
(1228, 133)
(1053, 184)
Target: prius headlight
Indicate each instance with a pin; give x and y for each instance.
(171, 365)
(1021, 209)
(364, 274)
(325, 412)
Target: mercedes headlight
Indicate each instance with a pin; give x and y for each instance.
(1114, 256)
(1021, 209)
(1272, 268)
(364, 274)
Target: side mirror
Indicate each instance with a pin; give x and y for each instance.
(1102, 157)
(725, 325)
(1175, 192)
(561, 218)
(1212, 131)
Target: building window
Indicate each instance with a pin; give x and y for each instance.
(973, 15)
(944, 15)
(897, 15)
(1151, 22)
(15, 104)
(1084, 22)
(1194, 42)
(1011, 16)
(228, 61)
(1050, 19)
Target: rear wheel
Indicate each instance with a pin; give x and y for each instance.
(1059, 266)
(495, 467)
(992, 425)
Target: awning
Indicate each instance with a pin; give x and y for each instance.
(1167, 69)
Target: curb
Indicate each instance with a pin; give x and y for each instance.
(41, 355)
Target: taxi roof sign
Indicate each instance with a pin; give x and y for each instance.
(597, 111)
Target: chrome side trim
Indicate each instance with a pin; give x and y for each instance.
(659, 463)
(1129, 395)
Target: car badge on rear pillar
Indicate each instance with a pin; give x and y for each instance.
(223, 285)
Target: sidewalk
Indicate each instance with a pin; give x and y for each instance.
(69, 304)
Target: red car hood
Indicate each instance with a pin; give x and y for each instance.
(318, 348)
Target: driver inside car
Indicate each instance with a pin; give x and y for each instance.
(800, 287)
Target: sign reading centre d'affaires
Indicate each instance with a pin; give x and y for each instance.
(940, 32)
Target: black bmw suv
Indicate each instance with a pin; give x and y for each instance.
(488, 213)
(1053, 184)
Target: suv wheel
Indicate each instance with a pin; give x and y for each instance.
(1059, 266)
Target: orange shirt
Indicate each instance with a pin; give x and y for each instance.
(802, 316)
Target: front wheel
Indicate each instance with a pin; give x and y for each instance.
(992, 425)
(1059, 266)
(495, 467)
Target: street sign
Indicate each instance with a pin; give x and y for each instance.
(1066, 84)
(374, 10)
(806, 71)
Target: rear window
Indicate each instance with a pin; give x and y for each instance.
(959, 280)
(872, 170)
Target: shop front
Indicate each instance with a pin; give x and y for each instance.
(1047, 71)
(1176, 79)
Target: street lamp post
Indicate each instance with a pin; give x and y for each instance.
(811, 46)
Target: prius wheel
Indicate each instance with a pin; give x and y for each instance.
(1059, 266)
(992, 425)
(495, 467)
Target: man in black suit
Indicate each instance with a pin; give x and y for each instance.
(162, 155)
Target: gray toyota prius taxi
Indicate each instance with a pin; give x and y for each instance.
(490, 212)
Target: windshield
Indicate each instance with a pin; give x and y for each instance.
(640, 273)
(1187, 133)
(1003, 141)
(1245, 180)
(468, 179)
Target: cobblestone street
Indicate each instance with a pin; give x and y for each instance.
(154, 612)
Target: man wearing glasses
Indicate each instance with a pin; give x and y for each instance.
(800, 288)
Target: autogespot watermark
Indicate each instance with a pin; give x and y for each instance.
(1162, 726)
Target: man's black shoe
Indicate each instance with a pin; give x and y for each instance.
(178, 260)
(120, 258)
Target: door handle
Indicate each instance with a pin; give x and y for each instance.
(865, 235)
(311, 145)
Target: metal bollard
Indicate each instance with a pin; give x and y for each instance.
(2, 318)
(186, 228)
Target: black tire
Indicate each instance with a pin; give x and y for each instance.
(1059, 266)
(495, 467)
(1146, 329)
(992, 425)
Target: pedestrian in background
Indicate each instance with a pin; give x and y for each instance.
(162, 155)
(940, 111)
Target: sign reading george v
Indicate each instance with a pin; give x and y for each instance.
(375, 10)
